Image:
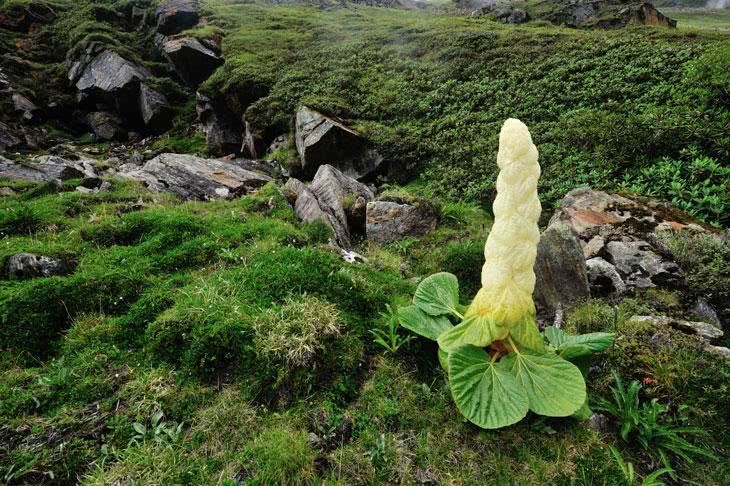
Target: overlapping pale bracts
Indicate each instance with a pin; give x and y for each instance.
(505, 300)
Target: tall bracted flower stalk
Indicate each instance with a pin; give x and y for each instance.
(518, 372)
(504, 304)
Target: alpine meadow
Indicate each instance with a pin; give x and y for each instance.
(364, 242)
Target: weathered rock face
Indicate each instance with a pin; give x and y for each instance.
(45, 168)
(223, 128)
(192, 61)
(509, 14)
(323, 141)
(388, 221)
(106, 126)
(604, 279)
(198, 178)
(640, 267)
(28, 265)
(560, 270)
(24, 108)
(154, 108)
(174, 16)
(332, 197)
(101, 73)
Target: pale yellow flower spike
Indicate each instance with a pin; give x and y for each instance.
(504, 303)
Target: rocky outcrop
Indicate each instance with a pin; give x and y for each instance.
(191, 60)
(321, 140)
(23, 107)
(198, 178)
(560, 270)
(334, 198)
(506, 13)
(223, 128)
(28, 265)
(603, 278)
(46, 168)
(388, 221)
(646, 14)
(174, 16)
(641, 267)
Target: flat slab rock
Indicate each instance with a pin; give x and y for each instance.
(198, 178)
(706, 331)
(46, 168)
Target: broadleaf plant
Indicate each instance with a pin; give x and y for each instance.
(499, 364)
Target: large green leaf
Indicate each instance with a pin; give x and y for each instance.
(571, 347)
(527, 336)
(431, 327)
(486, 393)
(438, 294)
(476, 330)
(444, 360)
(554, 386)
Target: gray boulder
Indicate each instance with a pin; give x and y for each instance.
(28, 265)
(223, 128)
(388, 221)
(336, 199)
(174, 16)
(639, 266)
(560, 270)
(102, 73)
(191, 60)
(155, 110)
(106, 125)
(321, 140)
(198, 178)
(45, 168)
(603, 278)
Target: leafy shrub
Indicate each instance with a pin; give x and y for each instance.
(700, 186)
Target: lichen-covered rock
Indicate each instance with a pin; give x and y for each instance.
(321, 140)
(560, 270)
(24, 108)
(640, 267)
(603, 278)
(28, 265)
(191, 60)
(101, 72)
(194, 177)
(388, 221)
(8, 140)
(174, 16)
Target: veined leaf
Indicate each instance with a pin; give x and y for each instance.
(431, 327)
(486, 393)
(570, 347)
(527, 336)
(554, 386)
(584, 412)
(476, 330)
(438, 295)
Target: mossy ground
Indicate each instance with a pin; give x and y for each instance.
(177, 307)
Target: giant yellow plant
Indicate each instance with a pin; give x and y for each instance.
(518, 371)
